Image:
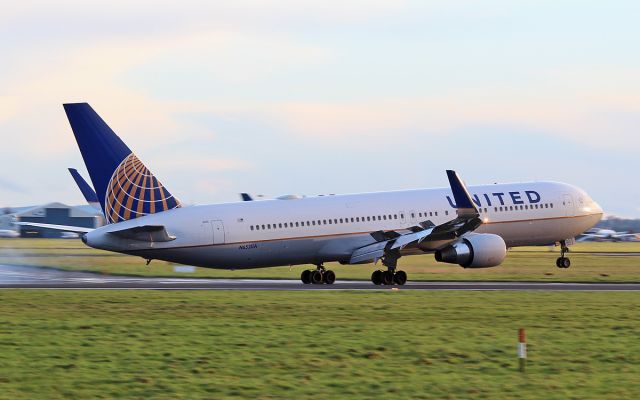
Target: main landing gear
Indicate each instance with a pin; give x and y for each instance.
(318, 276)
(562, 261)
(391, 276)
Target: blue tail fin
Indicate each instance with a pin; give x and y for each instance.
(126, 189)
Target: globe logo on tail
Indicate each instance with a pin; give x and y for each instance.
(133, 191)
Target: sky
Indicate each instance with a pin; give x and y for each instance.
(316, 97)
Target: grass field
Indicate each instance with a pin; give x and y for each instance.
(312, 345)
(590, 263)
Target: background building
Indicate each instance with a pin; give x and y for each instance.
(57, 214)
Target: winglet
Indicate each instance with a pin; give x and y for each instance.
(88, 193)
(461, 195)
(246, 197)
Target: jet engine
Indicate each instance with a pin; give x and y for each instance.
(481, 250)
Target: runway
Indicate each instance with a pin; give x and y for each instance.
(22, 277)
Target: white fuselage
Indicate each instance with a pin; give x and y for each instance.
(329, 228)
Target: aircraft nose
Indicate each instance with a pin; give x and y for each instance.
(596, 207)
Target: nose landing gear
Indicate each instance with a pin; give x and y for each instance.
(562, 261)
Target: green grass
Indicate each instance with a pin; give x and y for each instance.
(589, 264)
(317, 345)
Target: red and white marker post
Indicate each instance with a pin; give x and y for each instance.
(522, 349)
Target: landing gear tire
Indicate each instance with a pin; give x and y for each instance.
(376, 277)
(387, 278)
(400, 277)
(305, 277)
(316, 277)
(329, 277)
(563, 262)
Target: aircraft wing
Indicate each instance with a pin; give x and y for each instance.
(468, 220)
(622, 235)
(65, 228)
(145, 233)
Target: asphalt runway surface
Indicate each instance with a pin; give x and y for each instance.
(23, 277)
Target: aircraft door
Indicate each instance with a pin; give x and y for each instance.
(206, 234)
(567, 203)
(218, 232)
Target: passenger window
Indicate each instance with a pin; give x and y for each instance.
(324, 221)
(420, 215)
(413, 215)
(341, 220)
(263, 227)
(335, 221)
(251, 227)
(351, 219)
(329, 222)
(431, 213)
(510, 208)
(384, 217)
(401, 215)
(436, 213)
(395, 216)
(446, 212)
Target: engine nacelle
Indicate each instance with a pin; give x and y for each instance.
(481, 250)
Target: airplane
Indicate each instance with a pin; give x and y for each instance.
(9, 233)
(471, 227)
(607, 235)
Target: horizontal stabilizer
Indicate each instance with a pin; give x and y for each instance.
(145, 233)
(65, 228)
